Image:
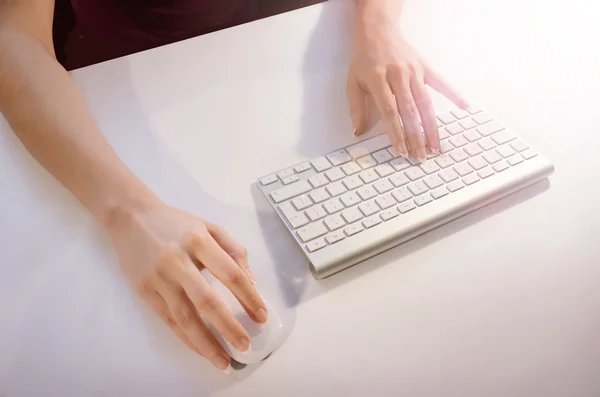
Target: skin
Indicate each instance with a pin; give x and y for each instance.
(164, 251)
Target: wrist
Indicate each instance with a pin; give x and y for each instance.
(377, 16)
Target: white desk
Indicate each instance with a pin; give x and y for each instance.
(503, 302)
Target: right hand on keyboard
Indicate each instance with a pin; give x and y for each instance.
(162, 250)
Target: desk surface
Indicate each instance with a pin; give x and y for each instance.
(502, 302)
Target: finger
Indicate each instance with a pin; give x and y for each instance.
(238, 253)
(208, 304)
(205, 249)
(158, 304)
(427, 113)
(400, 84)
(358, 107)
(386, 104)
(192, 325)
(438, 83)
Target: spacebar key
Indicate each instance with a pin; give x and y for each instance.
(289, 191)
(369, 146)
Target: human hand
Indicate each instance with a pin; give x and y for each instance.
(162, 251)
(385, 66)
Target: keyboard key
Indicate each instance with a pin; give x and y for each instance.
(369, 208)
(433, 181)
(443, 134)
(446, 146)
(386, 201)
(298, 220)
(402, 194)
(406, 206)
(430, 167)
(318, 180)
(366, 192)
(336, 188)
(459, 113)
(414, 173)
(316, 212)
(316, 245)
(446, 118)
(444, 161)
(382, 156)
(369, 146)
(366, 162)
(290, 179)
(418, 188)
(422, 200)
(467, 124)
(383, 186)
(486, 172)
(454, 129)
(388, 214)
(351, 230)
(334, 205)
(351, 168)
(334, 237)
(455, 186)
(499, 167)
(503, 137)
(302, 202)
(470, 179)
(519, 146)
(393, 152)
(312, 231)
(399, 179)
(368, 176)
(477, 163)
(303, 167)
(290, 191)
(491, 157)
(528, 154)
(458, 141)
(334, 222)
(474, 109)
(352, 215)
(268, 180)
(463, 169)
(448, 175)
(384, 170)
(472, 136)
(349, 199)
(400, 164)
(339, 157)
(321, 164)
(335, 174)
(486, 144)
(490, 128)
(438, 193)
(505, 151)
(319, 195)
(473, 150)
(514, 160)
(459, 155)
(372, 221)
(352, 182)
(482, 118)
(286, 173)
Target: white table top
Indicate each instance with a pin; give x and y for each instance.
(503, 302)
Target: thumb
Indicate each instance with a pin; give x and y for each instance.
(358, 107)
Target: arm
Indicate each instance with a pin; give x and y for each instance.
(48, 113)
(386, 67)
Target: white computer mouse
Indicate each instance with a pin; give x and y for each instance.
(265, 338)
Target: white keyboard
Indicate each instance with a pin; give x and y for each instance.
(358, 201)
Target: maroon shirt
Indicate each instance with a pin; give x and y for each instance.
(112, 28)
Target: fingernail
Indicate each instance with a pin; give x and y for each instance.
(261, 315)
(243, 345)
(354, 132)
(401, 153)
(435, 151)
(422, 159)
(223, 364)
(251, 276)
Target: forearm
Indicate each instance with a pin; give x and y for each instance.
(378, 11)
(47, 112)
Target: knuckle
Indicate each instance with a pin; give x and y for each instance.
(389, 110)
(242, 253)
(399, 69)
(200, 240)
(235, 277)
(411, 110)
(183, 315)
(208, 303)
